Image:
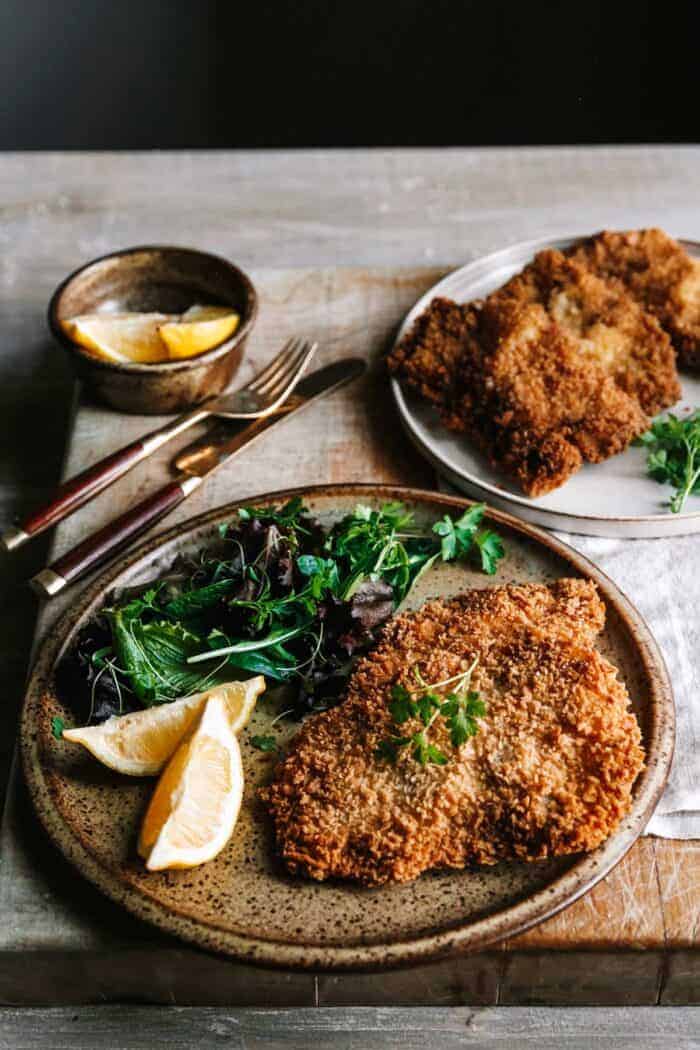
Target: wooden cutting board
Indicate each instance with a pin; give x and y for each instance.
(632, 940)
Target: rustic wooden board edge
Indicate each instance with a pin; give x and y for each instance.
(187, 978)
(134, 963)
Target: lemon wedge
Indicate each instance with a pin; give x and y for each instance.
(199, 329)
(123, 338)
(141, 743)
(197, 800)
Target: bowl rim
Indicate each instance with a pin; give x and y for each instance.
(157, 367)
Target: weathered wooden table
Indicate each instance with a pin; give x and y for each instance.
(404, 216)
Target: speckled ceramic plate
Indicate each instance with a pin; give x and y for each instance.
(613, 498)
(243, 903)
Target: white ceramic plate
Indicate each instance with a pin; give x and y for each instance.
(614, 498)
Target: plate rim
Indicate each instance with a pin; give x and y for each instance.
(585, 524)
(469, 936)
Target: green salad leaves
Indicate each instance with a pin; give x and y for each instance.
(279, 595)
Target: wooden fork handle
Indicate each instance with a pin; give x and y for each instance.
(99, 547)
(78, 490)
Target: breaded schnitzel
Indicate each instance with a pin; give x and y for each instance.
(660, 275)
(430, 357)
(555, 368)
(611, 329)
(549, 772)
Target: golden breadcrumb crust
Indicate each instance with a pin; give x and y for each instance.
(550, 771)
(556, 368)
(660, 274)
(610, 327)
(430, 355)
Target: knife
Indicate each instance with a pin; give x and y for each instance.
(196, 463)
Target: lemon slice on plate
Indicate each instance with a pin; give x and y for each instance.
(199, 329)
(196, 803)
(123, 338)
(141, 743)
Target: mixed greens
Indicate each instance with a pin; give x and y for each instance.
(278, 595)
(673, 455)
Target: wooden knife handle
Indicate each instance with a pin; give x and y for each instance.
(73, 493)
(99, 547)
(81, 488)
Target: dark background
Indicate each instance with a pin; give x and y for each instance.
(181, 73)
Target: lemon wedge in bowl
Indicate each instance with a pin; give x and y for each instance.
(195, 806)
(141, 743)
(130, 338)
(199, 329)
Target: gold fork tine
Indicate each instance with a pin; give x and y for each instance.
(282, 377)
(273, 366)
(284, 388)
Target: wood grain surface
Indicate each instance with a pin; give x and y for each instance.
(462, 1028)
(634, 939)
(354, 436)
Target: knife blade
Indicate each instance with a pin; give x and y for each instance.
(194, 465)
(209, 453)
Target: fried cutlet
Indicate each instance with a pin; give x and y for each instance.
(429, 358)
(611, 328)
(659, 274)
(555, 368)
(524, 394)
(550, 771)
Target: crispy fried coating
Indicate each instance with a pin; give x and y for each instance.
(429, 358)
(534, 405)
(556, 368)
(659, 274)
(550, 771)
(610, 327)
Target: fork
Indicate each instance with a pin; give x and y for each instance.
(261, 397)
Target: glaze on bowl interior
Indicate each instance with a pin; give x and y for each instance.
(164, 279)
(243, 903)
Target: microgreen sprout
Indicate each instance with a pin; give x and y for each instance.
(460, 708)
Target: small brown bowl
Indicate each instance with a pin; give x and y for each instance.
(155, 279)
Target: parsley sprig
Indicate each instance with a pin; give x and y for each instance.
(673, 455)
(461, 537)
(460, 709)
(264, 742)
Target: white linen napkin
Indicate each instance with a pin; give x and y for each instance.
(662, 579)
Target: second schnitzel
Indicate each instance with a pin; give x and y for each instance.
(660, 274)
(610, 327)
(549, 771)
(556, 368)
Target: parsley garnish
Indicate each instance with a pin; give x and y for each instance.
(457, 536)
(461, 712)
(460, 537)
(57, 727)
(490, 549)
(673, 455)
(390, 748)
(426, 753)
(460, 709)
(289, 515)
(264, 742)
